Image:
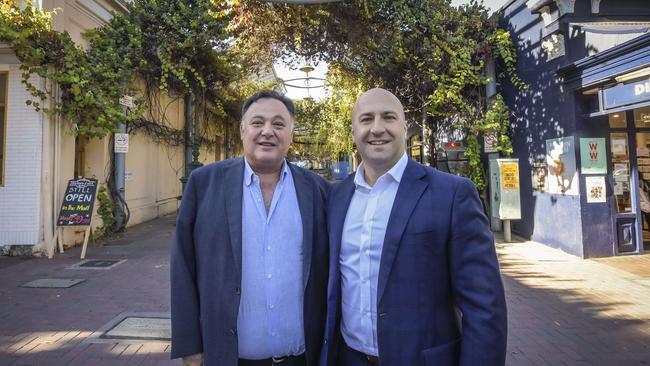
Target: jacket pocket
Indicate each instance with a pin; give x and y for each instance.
(443, 355)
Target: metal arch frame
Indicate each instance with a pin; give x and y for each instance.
(288, 83)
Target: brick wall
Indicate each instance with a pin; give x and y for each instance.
(20, 196)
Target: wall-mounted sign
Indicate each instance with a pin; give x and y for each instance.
(595, 187)
(121, 143)
(626, 93)
(592, 156)
(561, 161)
(127, 101)
(490, 142)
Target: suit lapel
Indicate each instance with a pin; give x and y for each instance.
(408, 194)
(233, 188)
(339, 210)
(305, 194)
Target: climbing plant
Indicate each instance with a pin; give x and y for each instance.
(429, 53)
(174, 46)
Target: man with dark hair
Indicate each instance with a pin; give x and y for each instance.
(248, 282)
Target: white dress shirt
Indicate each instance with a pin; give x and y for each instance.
(361, 246)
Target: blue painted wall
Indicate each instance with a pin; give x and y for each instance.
(539, 113)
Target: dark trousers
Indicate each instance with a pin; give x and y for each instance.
(289, 361)
(351, 357)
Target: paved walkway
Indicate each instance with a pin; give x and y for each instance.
(563, 310)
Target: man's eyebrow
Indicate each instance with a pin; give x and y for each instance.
(263, 117)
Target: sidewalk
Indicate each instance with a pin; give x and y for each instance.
(567, 311)
(42, 326)
(562, 310)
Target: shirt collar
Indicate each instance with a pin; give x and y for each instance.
(249, 173)
(396, 172)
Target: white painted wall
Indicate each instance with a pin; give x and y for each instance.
(20, 196)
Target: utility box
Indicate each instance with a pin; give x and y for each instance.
(504, 189)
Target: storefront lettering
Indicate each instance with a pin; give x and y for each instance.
(642, 88)
(593, 151)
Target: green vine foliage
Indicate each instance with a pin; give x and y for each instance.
(506, 52)
(473, 154)
(105, 211)
(177, 46)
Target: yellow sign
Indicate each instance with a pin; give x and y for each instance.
(509, 176)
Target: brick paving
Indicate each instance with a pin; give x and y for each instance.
(562, 310)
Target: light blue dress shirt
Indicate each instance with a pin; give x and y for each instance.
(270, 320)
(361, 246)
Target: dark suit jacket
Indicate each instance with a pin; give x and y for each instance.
(438, 261)
(206, 262)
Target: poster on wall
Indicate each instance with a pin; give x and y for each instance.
(595, 187)
(561, 162)
(592, 156)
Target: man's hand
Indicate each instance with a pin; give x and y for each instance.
(194, 360)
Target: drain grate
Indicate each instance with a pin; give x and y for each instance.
(97, 264)
(142, 328)
(53, 283)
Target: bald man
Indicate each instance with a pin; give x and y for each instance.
(414, 278)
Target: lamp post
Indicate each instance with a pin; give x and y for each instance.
(196, 140)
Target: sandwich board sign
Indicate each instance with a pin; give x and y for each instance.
(76, 210)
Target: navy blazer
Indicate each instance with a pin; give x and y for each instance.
(206, 262)
(440, 299)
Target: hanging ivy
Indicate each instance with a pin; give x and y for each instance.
(178, 46)
(507, 53)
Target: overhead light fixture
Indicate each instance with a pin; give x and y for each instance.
(616, 116)
(633, 75)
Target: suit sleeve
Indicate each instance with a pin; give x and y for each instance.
(186, 327)
(476, 281)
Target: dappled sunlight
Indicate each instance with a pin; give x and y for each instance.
(563, 309)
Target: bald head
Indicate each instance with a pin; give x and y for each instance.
(378, 94)
(379, 131)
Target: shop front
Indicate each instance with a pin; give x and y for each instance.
(612, 91)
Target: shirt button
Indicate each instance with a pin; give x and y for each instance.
(271, 306)
(273, 334)
(367, 252)
(268, 248)
(269, 276)
(364, 280)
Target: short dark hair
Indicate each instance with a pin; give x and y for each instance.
(269, 94)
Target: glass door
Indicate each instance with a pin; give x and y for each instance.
(623, 165)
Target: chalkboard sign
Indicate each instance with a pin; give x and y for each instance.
(78, 202)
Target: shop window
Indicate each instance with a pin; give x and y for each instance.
(620, 160)
(617, 120)
(642, 117)
(3, 123)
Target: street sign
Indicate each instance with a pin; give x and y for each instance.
(127, 101)
(121, 143)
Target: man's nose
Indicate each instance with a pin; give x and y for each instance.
(267, 130)
(377, 127)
